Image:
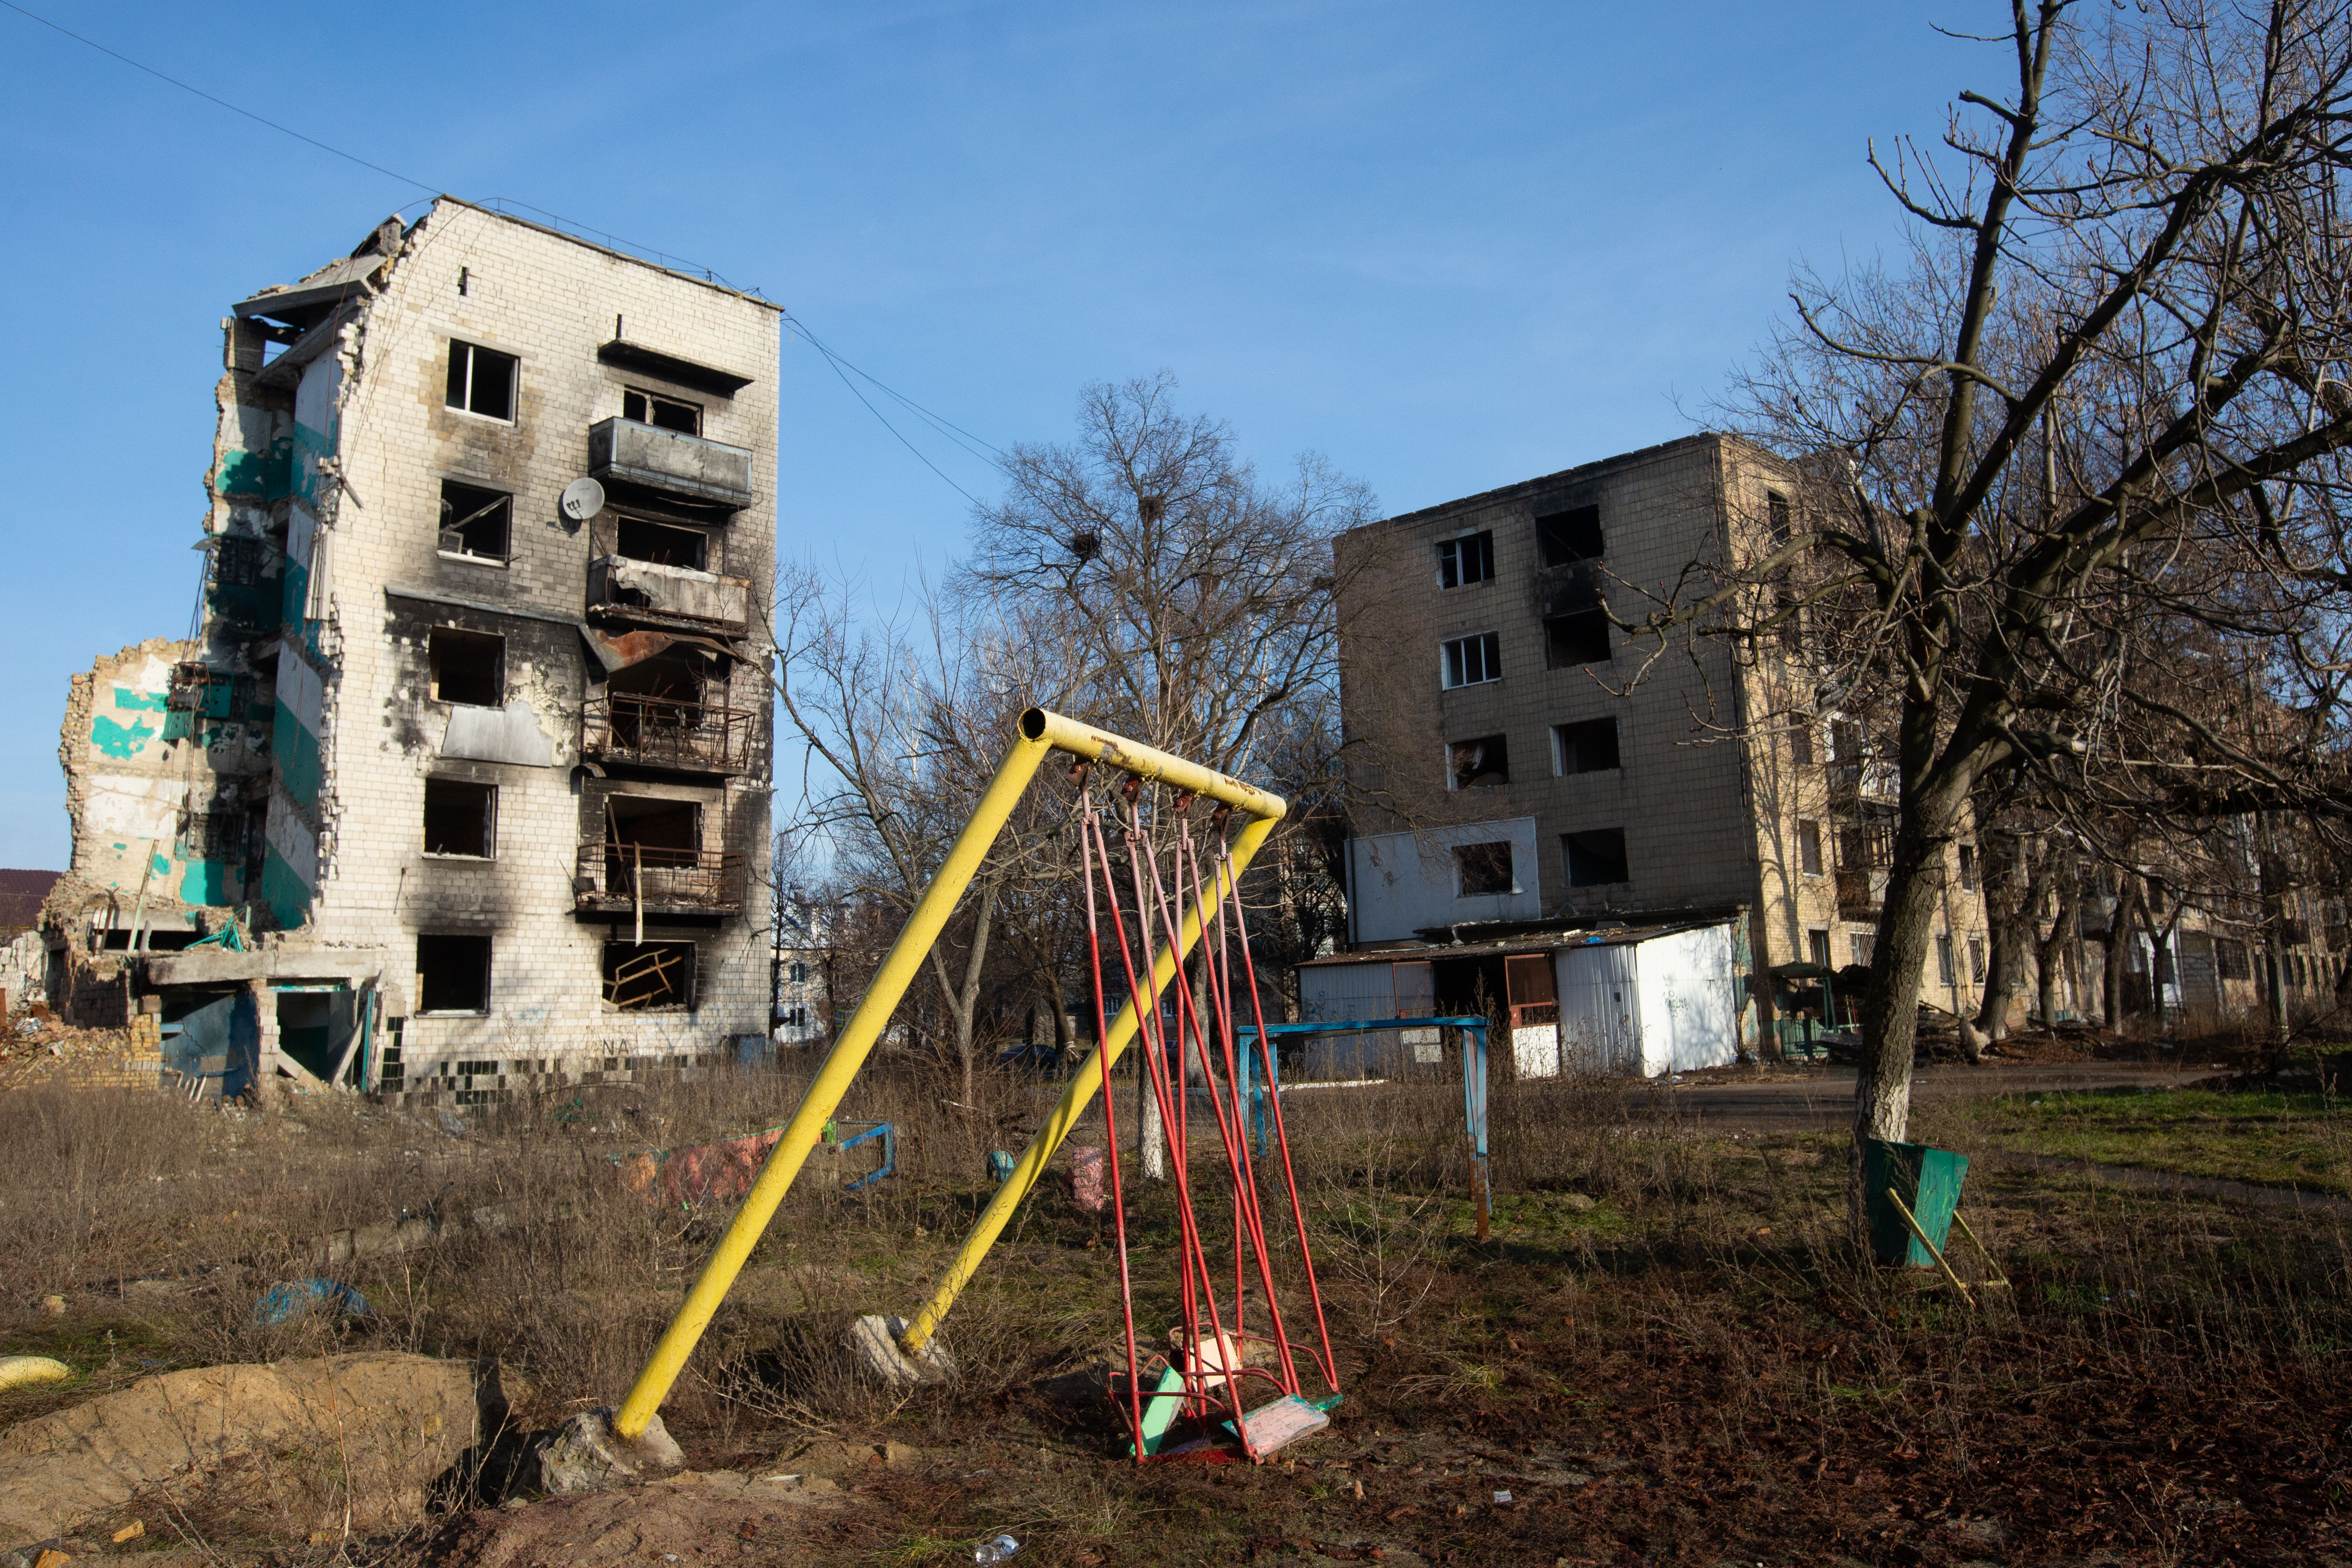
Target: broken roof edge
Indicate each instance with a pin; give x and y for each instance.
(711, 283)
(1519, 488)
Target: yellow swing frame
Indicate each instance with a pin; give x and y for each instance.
(1041, 733)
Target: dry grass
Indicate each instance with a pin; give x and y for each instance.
(1676, 1310)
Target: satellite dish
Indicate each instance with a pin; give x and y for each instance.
(582, 499)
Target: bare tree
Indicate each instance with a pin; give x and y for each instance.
(1197, 599)
(2103, 397)
(900, 727)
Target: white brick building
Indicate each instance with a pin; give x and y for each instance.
(1511, 777)
(514, 819)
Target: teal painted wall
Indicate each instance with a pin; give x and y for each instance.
(297, 753)
(288, 895)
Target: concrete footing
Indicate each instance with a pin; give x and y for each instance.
(874, 1340)
(587, 1454)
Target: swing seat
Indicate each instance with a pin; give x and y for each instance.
(1270, 1428)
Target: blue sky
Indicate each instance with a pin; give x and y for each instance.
(1449, 248)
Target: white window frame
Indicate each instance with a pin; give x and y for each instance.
(1455, 544)
(514, 392)
(1446, 662)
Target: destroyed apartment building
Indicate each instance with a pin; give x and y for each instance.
(1624, 865)
(465, 780)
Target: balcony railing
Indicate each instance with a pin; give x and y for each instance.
(1859, 894)
(668, 460)
(668, 595)
(1875, 779)
(619, 878)
(663, 732)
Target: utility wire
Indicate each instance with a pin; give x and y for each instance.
(841, 367)
(993, 455)
(209, 98)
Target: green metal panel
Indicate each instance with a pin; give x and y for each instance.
(1928, 1181)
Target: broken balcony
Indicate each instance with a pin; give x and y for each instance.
(669, 461)
(657, 732)
(622, 879)
(1861, 894)
(621, 588)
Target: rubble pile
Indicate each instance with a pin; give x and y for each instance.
(39, 1052)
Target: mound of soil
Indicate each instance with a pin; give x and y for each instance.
(370, 1432)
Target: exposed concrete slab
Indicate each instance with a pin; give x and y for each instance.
(217, 966)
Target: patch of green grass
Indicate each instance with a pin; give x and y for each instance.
(2277, 1139)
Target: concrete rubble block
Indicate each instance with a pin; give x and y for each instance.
(587, 1454)
(874, 1340)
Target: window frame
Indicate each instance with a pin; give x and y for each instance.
(1454, 774)
(1462, 888)
(489, 820)
(441, 531)
(1450, 562)
(514, 385)
(1544, 562)
(489, 974)
(702, 411)
(1594, 615)
(1811, 862)
(1490, 652)
(433, 669)
(1567, 852)
(1560, 745)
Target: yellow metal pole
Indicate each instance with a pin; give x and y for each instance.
(833, 1080)
(1083, 1089)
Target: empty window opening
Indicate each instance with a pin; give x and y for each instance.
(639, 832)
(665, 413)
(1481, 870)
(460, 817)
(453, 974)
(236, 563)
(1581, 638)
(1564, 538)
(481, 381)
(1587, 746)
(660, 543)
(649, 976)
(1472, 660)
(1484, 761)
(467, 667)
(1977, 959)
(1801, 743)
(1596, 858)
(1944, 960)
(474, 521)
(1463, 561)
(1809, 847)
(214, 835)
(1775, 516)
(1817, 947)
(2229, 958)
(1968, 867)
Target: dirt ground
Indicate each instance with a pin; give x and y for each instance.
(1666, 1352)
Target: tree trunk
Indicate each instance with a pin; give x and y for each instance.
(2007, 950)
(1890, 1017)
(1152, 1130)
(2053, 951)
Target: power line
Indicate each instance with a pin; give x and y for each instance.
(209, 98)
(841, 367)
(945, 426)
